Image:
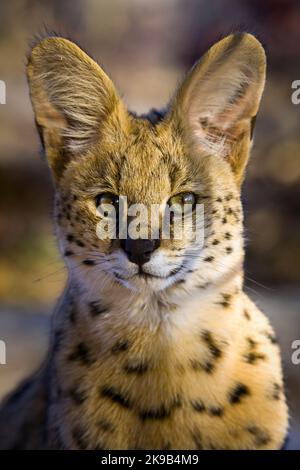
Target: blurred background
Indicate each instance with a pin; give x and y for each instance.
(146, 47)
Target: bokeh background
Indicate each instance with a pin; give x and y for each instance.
(146, 47)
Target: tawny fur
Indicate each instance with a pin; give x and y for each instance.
(180, 361)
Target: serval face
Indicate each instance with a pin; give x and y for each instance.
(147, 203)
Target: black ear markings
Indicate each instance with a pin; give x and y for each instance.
(252, 126)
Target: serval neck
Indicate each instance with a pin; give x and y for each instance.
(103, 311)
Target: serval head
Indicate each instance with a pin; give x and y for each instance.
(106, 160)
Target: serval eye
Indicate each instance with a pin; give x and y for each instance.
(107, 199)
(183, 200)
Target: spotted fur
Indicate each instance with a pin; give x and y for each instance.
(180, 357)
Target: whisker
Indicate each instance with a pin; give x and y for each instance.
(39, 279)
(259, 284)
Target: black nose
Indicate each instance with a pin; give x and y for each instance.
(139, 251)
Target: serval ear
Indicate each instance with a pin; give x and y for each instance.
(72, 99)
(218, 101)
